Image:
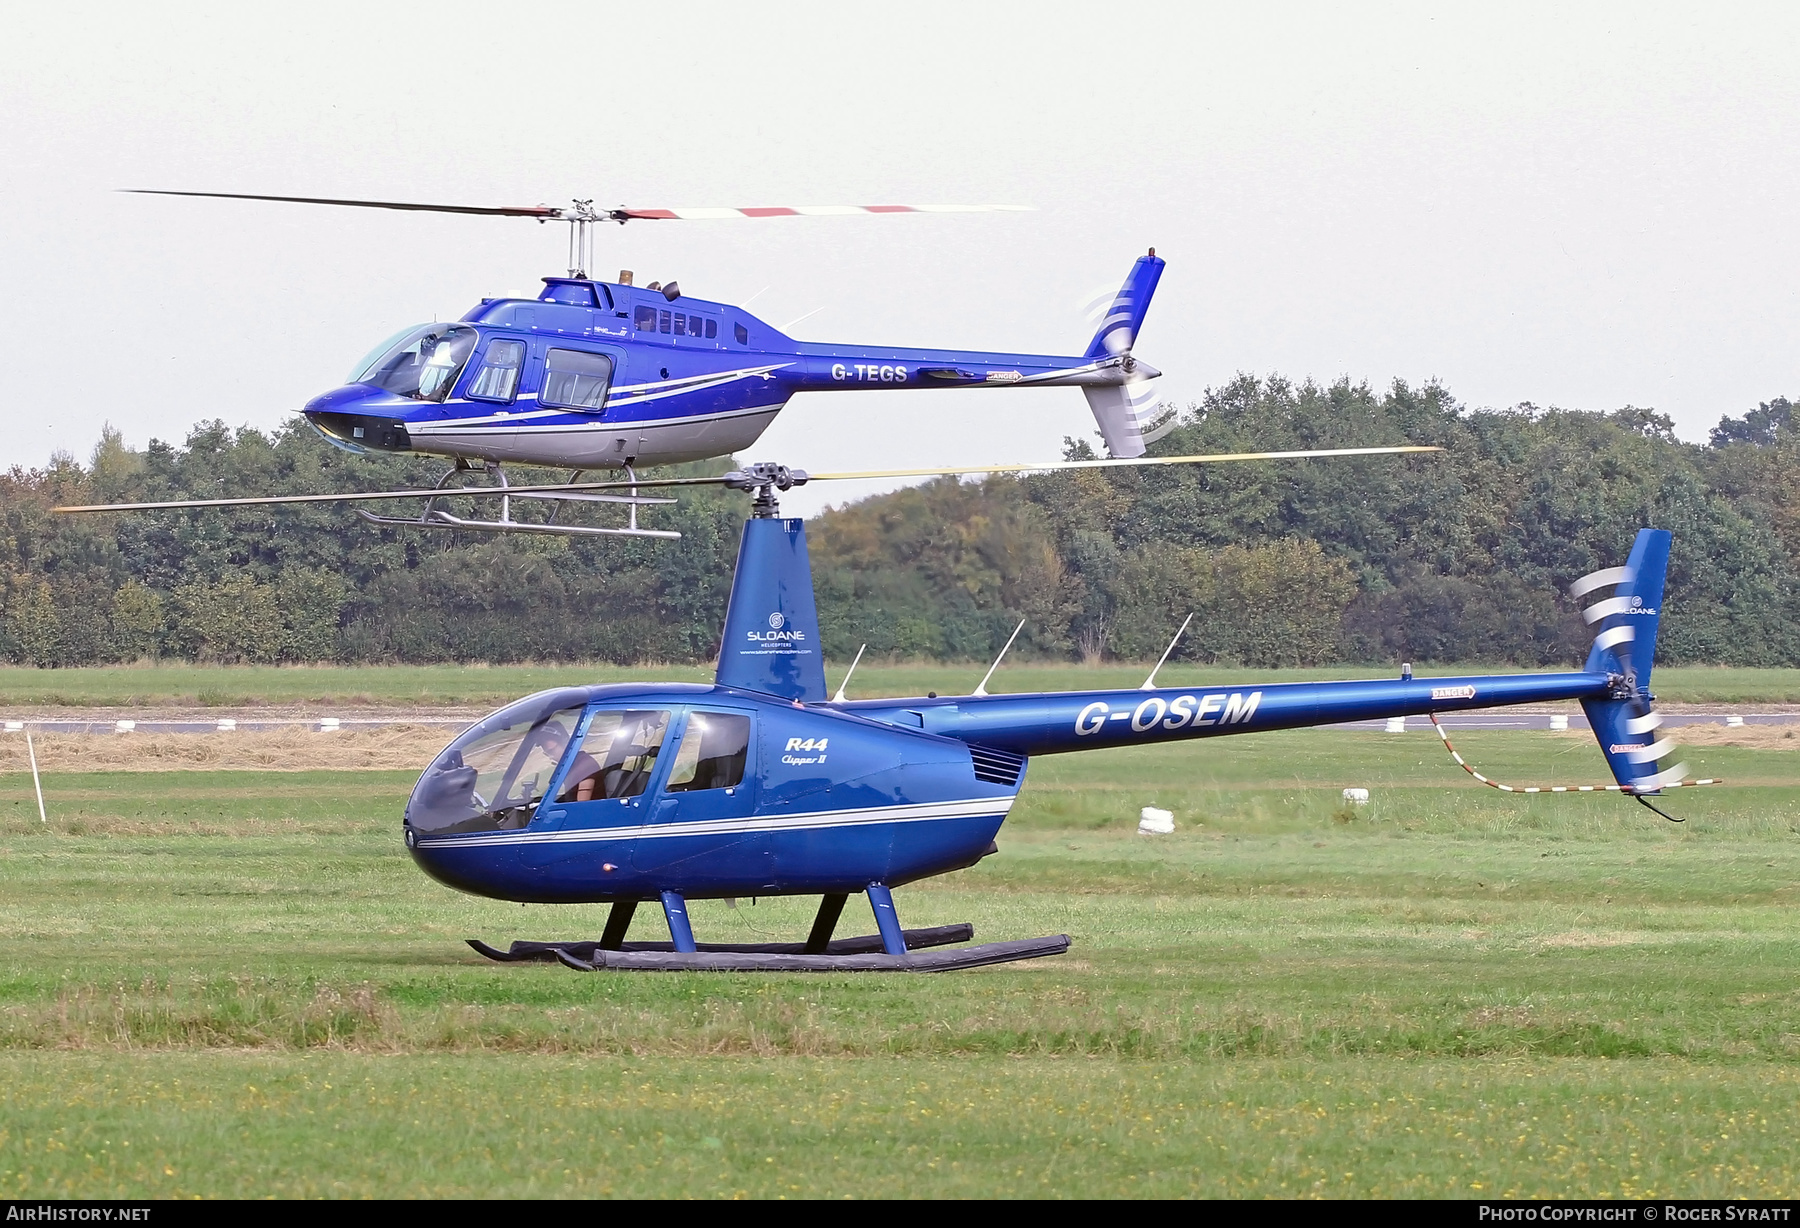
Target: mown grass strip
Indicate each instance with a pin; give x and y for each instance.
(345, 1125)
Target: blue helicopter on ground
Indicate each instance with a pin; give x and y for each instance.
(766, 784)
(608, 375)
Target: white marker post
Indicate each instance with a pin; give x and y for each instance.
(35, 782)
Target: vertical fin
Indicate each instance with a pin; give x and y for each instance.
(1625, 645)
(1125, 316)
(1625, 639)
(771, 641)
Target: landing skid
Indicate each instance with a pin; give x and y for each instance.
(936, 936)
(435, 517)
(863, 954)
(723, 961)
(892, 950)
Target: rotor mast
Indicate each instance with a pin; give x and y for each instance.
(581, 216)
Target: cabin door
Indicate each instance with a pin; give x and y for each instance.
(602, 785)
(702, 836)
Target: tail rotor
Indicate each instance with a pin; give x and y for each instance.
(1126, 406)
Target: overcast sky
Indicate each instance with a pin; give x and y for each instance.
(1577, 205)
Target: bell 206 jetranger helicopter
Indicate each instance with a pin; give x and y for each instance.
(765, 784)
(610, 375)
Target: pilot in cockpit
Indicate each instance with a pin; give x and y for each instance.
(627, 743)
(584, 769)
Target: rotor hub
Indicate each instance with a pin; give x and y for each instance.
(765, 478)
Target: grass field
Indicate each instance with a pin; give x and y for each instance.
(236, 983)
(489, 686)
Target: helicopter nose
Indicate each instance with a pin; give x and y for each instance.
(346, 417)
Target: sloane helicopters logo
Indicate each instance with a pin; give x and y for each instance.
(778, 638)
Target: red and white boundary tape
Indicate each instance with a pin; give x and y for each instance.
(1494, 784)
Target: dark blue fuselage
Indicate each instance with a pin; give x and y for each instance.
(831, 797)
(822, 801)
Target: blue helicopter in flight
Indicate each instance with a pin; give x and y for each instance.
(765, 783)
(599, 375)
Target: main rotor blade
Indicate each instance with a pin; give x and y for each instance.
(710, 215)
(738, 478)
(537, 211)
(362, 496)
(582, 211)
(1119, 463)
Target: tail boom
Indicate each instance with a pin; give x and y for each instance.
(1048, 724)
(845, 368)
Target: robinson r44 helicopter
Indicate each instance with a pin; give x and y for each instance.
(609, 375)
(764, 783)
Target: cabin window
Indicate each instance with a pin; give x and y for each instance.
(712, 753)
(574, 379)
(665, 325)
(742, 334)
(422, 362)
(492, 778)
(712, 328)
(617, 756)
(498, 379)
(644, 318)
(681, 325)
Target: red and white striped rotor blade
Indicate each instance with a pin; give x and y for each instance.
(711, 215)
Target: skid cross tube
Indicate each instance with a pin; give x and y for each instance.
(618, 920)
(831, 907)
(675, 909)
(893, 938)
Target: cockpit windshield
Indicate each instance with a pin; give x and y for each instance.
(422, 362)
(493, 776)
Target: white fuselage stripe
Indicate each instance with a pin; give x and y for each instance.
(595, 424)
(621, 395)
(972, 808)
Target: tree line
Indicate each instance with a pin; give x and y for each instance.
(1459, 555)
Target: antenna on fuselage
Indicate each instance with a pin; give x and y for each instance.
(839, 697)
(981, 690)
(1150, 682)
